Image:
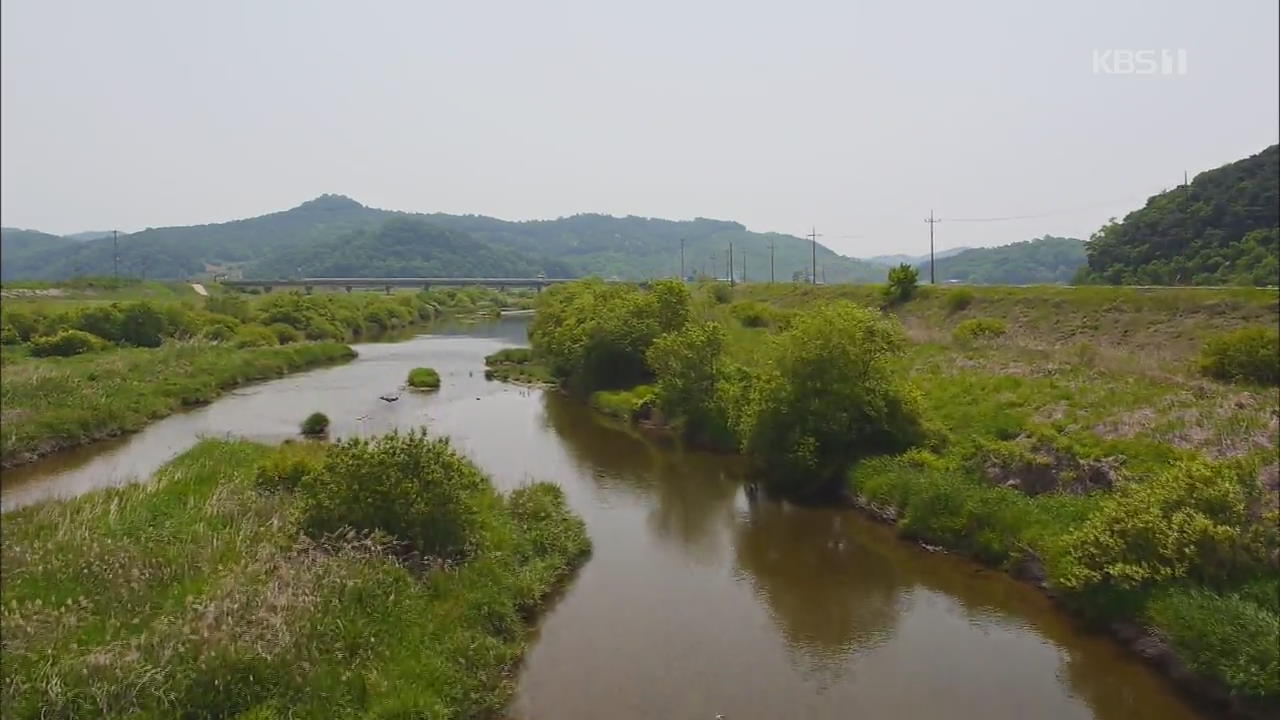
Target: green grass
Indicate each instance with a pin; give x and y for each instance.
(625, 405)
(199, 596)
(517, 365)
(55, 403)
(424, 378)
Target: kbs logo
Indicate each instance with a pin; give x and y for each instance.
(1139, 62)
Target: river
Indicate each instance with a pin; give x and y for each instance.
(696, 602)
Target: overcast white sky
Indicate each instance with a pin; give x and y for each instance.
(855, 116)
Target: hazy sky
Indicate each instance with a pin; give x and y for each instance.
(855, 116)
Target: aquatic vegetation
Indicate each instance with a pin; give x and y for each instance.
(317, 423)
(423, 378)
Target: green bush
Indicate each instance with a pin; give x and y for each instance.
(827, 395)
(752, 314)
(411, 487)
(317, 423)
(594, 335)
(66, 344)
(509, 356)
(255, 336)
(686, 364)
(9, 335)
(1186, 522)
(285, 334)
(982, 328)
(286, 467)
(903, 281)
(105, 321)
(721, 293)
(142, 325)
(25, 324)
(1223, 636)
(217, 333)
(1246, 355)
(959, 299)
(424, 378)
(626, 405)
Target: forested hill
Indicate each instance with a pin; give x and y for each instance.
(1046, 260)
(25, 248)
(404, 247)
(1222, 229)
(281, 243)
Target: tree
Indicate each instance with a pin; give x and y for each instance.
(685, 363)
(902, 283)
(826, 396)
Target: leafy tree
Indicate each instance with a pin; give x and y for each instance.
(826, 396)
(903, 280)
(686, 365)
(142, 325)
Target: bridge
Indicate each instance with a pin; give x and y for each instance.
(389, 283)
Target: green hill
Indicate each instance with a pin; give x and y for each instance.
(1221, 229)
(1045, 260)
(29, 248)
(404, 247)
(280, 243)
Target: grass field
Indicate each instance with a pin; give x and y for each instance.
(55, 403)
(200, 595)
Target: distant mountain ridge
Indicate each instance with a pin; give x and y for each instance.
(283, 242)
(1043, 261)
(893, 260)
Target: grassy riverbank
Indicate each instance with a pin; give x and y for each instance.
(55, 403)
(219, 590)
(1066, 434)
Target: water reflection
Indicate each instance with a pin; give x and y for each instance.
(831, 593)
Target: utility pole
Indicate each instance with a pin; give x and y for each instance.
(813, 236)
(932, 274)
(771, 261)
(744, 267)
(682, 275)
(115, 254)
(730, 264)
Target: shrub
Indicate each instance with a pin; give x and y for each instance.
(983, 328)
(510, 356)
(903, 281)
(142, 325)
(414, 488)
(255, 336)
(594, 335)
(285, 334)
(317, 423)
(686, 364)
(424, 378)
(286, 467)
(9, 335)
(1188, 521)
(959, 299)
(105, 321)
(1246, 355)
(721, 293)
(231, 305)
(1223, 636)
(217, 333)
(66, 343)
(752, 314)
(826, 396)
(26, 325)
(627, 405)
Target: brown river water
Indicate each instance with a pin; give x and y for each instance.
(697, 602)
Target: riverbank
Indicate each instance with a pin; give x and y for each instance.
(1060, 433)
(214, 590)
(52, 404)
